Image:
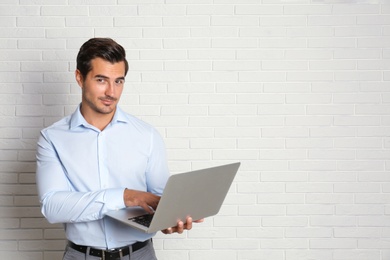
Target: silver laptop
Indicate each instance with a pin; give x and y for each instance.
(198, 194)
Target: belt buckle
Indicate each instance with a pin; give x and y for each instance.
(112, 251)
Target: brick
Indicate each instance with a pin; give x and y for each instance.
(261, 54)
(309, 210)
(309, 143)
(331, 155)
(201, 9)
(19, 10)
(260, 121)
(329, 221)
(297, 254)
(123, 32)
(235, 65)
(284, 132)
(309, 187)
(283, 20)
(110, 10)
(308, 121)
(165, 33)
(280, 198)
(22, 33)
(287, 243)
(215, 76)
(70, 33)
(373, 19)
(259, 9)
(161, 10)
(357, 53)
(333, 177)
(261, 254)
(262, 32)
(21, 255)
(312, 31)
(332, 20)
(296, 232)
(186, 21)
(236, 244)
(210, 233)
(357, 31)
(374, 221)
(232, 110)
(260, 188)
(373, 243)
(34, 21)
(284, 65)
(187, 244)
(267, 154)
(213, 122)
(234, 221)
(357, 254)
(262, 210)
(64, 10)
(100, 21)
(214, 254)
(185, 43)
(320, 54)
(234, 43)
(329, 198)
(354, 210)
(307, 9)
(236, 20)
(283, 176)
(162, 54)
(199, 32)
(187, 65)
(337, 243)
(265, 143)
(266, 99)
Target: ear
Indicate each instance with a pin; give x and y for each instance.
(79, 78)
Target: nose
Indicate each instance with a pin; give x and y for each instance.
(110, 90)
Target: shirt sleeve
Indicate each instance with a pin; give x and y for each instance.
(61, 204)
(157, 171)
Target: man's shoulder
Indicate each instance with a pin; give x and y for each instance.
(61, 124)
(134, 120)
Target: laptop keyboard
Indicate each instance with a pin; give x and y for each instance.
(143, 220)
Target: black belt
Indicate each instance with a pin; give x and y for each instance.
(116, 253)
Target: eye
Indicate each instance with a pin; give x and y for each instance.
(100, 80)
(120, 81)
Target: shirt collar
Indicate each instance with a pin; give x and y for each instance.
(77, 118)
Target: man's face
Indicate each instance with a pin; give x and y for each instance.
(102, 87)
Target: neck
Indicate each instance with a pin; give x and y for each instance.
(98, 120)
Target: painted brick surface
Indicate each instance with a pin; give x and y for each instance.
(298, 91)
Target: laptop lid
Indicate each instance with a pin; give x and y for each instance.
(198, 194)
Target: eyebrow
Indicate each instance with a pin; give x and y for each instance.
(105, 77)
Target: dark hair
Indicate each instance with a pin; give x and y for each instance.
(104, 48)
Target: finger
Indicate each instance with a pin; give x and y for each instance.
(189, 223)
(180, 227)
(198, 221)
(146, 208)
(168, 231)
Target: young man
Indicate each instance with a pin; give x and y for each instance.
(100, 159)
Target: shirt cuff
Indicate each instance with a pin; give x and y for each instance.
(113, 199)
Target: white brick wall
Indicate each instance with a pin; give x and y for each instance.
(298, 91)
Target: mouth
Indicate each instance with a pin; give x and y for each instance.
(107, 101)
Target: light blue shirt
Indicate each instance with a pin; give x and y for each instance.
(82, 173)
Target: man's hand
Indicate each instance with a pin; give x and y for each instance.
(146, 200)
(181, 226)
